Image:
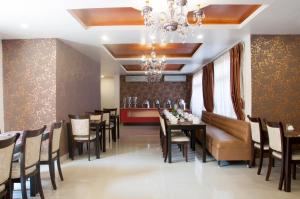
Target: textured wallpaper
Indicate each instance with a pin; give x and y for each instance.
(276, 78)
(153, 91)
(77, 84)
(29, 83)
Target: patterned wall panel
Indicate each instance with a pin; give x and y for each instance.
(152, 91)
(276, 77)
(29, 83)
(78, 84)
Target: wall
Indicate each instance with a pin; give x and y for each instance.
(109, 92)
(152, 91)
(29, 83)
(77, 84)
(1, 90)
(275, 77)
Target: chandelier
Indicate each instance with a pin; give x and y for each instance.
(153, 66)
(175, 20)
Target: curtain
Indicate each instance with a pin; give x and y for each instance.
(235, 81)
(197, 97)
(208, 87)
(222, 97)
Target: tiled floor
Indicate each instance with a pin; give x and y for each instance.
(133, 168)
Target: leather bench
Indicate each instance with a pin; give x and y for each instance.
(226, 138)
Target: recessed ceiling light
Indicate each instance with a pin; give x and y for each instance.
(143, 41)
(102, 76)
(200, 36)
(24, 26)
(104, 38)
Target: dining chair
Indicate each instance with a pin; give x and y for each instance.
(6, 156)
(50, 151)
(29, 162)
(114, 119)
(96, 119)
(259, 141)
(106, 116)
(81, 133)
(277, 149)
(177, 137)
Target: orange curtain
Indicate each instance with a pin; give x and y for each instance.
(235, 80)
(208, 87)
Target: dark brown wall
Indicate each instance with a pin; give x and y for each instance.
(276, 77)
(29, 83)
(153, 91)
(44, 81)
(77, 84)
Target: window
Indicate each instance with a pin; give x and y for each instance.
(197, 95)
(222, 97)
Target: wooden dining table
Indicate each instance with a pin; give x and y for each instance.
(291, 138)
(187, 126)
(17, 150)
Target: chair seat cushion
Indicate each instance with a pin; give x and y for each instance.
(295, 155)
(85, 138)
(257, 145)
(15, 171)
(180, 138)
(44, 151)
(2, 187)
(221, 139)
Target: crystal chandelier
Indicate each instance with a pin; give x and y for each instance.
(153, 66)
(175, 20)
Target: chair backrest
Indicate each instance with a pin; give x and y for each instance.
(113, 111)
(6, 155)
(162, 124)
(276, 135)
(106, 117)
(31, 147)
(95, 117)
(80, 125)
(54, 136)
(256, 129)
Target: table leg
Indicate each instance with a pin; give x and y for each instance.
(103, 139)
(114, 131)
(204, 144)
(97, 144)
(118, 127)
(193, 138)
(33, 188)
(287, 180)
(70, 142)
(169, 145)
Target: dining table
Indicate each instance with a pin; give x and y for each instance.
(190, 127)
(291, 138)
(17, 150)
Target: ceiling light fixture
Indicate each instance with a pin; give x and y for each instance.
(24, 26)
(153, 66)
(200, 37)
(104, 38)
(102, 76)
(177, 19)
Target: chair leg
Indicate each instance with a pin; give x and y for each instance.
(52, 173)
(39, 182)
(166, 149)
(109, 135)
(186, 152)
(58, 166)
(281, 174)
(10, 190)
(89, 150)
(269, 165)
(261, 159)
(294, 171)
(23, 187)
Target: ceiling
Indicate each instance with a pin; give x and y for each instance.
(52, 19)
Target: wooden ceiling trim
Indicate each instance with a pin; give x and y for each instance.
(168, 67)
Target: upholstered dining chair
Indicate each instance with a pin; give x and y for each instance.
(277, 146)
(178, 138)
(29, 162)
(108, 124)
(7, 145)
(81, 133)
(50, 151)
(259, 141)
(115, 120)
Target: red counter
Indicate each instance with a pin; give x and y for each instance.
(139, 115)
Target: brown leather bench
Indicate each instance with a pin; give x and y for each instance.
(226, 138)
